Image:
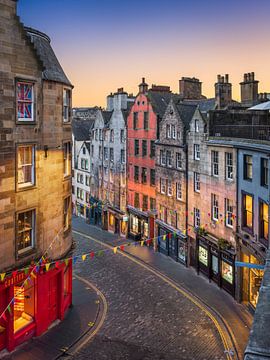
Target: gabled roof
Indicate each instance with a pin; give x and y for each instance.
(186, 112)
(127, 111)
(52, 68)
(106, 116)
(204, 105)
(81, 128)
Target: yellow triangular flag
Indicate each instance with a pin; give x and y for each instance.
(115, 249)
(33, 275)
(47, 266)
(83, 257)
(142, 243)
(164, 237)
(3, 276)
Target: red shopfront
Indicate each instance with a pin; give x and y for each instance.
(44, 299)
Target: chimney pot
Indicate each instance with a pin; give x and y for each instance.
(226, 78)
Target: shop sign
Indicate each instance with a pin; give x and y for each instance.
(203, 255)
(182, 252)
(14, 280)
(125, 218)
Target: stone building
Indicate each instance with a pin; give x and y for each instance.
(82, 123)
(171, 170)
(142, 132)
(35, 181)
(114, 163)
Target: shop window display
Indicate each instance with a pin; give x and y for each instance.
(203, 255)
(111, 220)
(23, 306)
(145, 229)
(227, 272)
(134, 224)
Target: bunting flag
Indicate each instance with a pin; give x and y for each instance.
(75, 259)
(164, 237)
(33, 275)
(92, 254)
(47, 266)
(9, 309)
(115, 250)
(3, 276)
(122, 247)
(66, 262)
(142, 242)
(83, 257)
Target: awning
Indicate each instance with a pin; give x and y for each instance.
(170, 228)
(137, 212)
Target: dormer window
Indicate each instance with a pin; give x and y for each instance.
(25, 101)
(168, 131)
(196, 126)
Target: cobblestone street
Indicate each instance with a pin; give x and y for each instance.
(147, 318)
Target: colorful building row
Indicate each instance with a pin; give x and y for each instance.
(186, 176)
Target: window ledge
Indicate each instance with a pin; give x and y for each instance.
(25, 188)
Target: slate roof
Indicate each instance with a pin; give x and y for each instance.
(204, 105)
(159, 101)
(81, 128)
(52, 68)
(186, 112)
(87, 145)
(106, 116)
(127, 111)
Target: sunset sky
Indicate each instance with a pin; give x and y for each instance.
(105, 44)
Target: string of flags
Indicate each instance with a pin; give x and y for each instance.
(43, 265)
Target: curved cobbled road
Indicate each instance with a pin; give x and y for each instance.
(147, 319)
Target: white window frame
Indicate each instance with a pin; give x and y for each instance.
(169, 158)
(197, 153)
(196, 125)
(32, 101)
(21, 167)
(179, 194)
(66, 105)
(169, 188)
(229, 165)
(229, 212)
(162, 186)
(168, 131)
(173, 131)
(31, 229)
(197, 218)
(197, 183)
(179, 160)
(215, 163)
(162, 157)
(215, 209)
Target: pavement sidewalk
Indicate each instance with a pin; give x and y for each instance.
(236, 315)
(78, 319)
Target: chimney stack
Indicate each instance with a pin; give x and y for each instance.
(143, 87)
(223, 91)
(190, 88)
(249, 89)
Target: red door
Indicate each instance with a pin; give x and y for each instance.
(53, 297)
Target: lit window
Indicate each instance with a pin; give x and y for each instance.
(264, 222)
(25, 231)
(25, 101)
(248, 211)
(66, 105)
(67, 159)
(67, 218)
(26, 166)
(24, 305)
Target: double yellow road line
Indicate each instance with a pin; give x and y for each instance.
(223, 334)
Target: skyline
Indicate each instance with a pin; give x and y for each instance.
(113, 45)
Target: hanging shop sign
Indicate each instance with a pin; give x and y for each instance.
(203, 255)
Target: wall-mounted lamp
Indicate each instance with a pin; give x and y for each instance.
(46, 148)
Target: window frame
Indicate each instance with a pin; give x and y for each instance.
(179, 191)
(215, 163)
(136, 147)
(228, 217)
(264, 170)
(197, 182)
(197, 152)
(246, 166)
(33, 167)
(179, 161)
(22, 252)
(67, 214)
(197, 217)
(228, 166)
(163, 188)
(243, 210)
(262, 239)
(31, 120)
(67, 106)
(146, 120)
(144, 148)
(215, 207)
(67, 158)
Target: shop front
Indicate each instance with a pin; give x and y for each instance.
(139, 224)
(251, 277)
(33, 307)
(216, 263)
(95, 211)
(117, 221)
(171, 242)
(80, 209)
